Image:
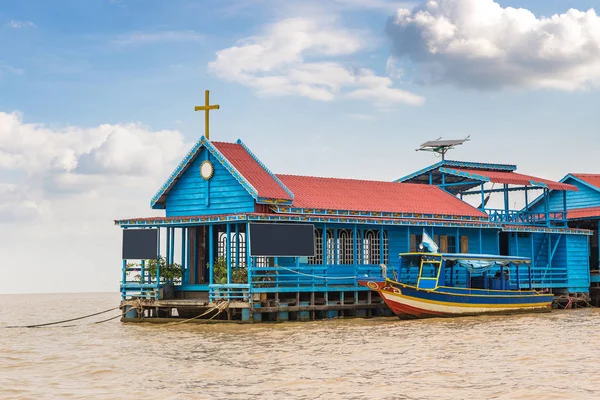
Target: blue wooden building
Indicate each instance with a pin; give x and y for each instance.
(583, 212)
(219, 188)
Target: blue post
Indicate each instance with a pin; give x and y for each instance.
(457, 242)
(237, 245)
(431, 178)
(564, 218)
(183, 258)
(172, 259)
(547, 206)
(324, 244)
(143, 272)
(506, 203)
(228, 253)
(526, 200)
(530, 279)
(355, 249)
(124, 278)
(211, 258)
(482, 197)
(381, 245)
(336, 256)
(248, 258)
(532, 251)
(518, 278)
(168, 245)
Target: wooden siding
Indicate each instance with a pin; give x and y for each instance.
(585, 197)
(578, 261)
(224, 193)
(569, 267)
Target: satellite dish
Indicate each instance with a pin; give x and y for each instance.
(441, 147)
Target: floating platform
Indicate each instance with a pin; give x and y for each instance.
(267, 307)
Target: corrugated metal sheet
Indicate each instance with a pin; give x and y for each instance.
(360, 195)
(514, 178)
(252, 171)
(583, 213)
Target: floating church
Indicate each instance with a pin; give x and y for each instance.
(220, 193)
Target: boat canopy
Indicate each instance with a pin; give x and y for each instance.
(478, 263)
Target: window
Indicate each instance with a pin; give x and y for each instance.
(330, 247)
(415, 241)
(318, 258)
(447, 244)
(464, 244)
(345, 247)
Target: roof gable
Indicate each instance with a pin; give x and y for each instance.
(258, 181)
(375, 196)
(591, 180)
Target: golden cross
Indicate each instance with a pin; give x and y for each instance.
(206, 107)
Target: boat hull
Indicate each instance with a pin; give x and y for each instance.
(409, 302)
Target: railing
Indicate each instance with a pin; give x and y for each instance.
(309, 277)
(229, 292)
(139, 285)
(527, 217)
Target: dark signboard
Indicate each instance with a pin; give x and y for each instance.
(140, 244)
(282, 240)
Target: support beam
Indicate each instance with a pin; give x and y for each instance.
(381, 257)
(211, 254)
(228, 253)
(324, 244)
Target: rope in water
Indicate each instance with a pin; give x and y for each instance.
(68, 320)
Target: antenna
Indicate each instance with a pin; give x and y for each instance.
(439, 146)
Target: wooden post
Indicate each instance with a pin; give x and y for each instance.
(123, 278)
(324, 244)
(228, 253)
(211, 258)
(381, 245)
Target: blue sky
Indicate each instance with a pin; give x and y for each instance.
(97, 97)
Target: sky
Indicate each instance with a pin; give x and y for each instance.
(97, 97)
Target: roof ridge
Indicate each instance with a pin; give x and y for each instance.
(346, 179)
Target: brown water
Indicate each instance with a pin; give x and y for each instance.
(550, 356)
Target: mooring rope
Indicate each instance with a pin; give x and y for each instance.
(220, 307)
(65, 320)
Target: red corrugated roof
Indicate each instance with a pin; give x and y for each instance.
(514, 178)
(359, 195)
(250, 169)
(581, 213)
(592, 179)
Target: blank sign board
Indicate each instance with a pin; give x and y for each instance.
(282, 240)
(140, 244)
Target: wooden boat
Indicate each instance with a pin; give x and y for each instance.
(448, 285)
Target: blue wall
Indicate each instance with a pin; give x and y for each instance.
(224, 193)
(578, 259)
(585, 197)
(569, 268)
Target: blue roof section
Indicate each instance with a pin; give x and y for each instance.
(158, 198)
(460, 164)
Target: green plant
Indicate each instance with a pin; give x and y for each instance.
(169, 273)
(238, 274)
(220, 271)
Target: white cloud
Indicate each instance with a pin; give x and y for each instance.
(296, 56)
(20, 24)
(76, 161)
(136, 38)
(478, 43)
